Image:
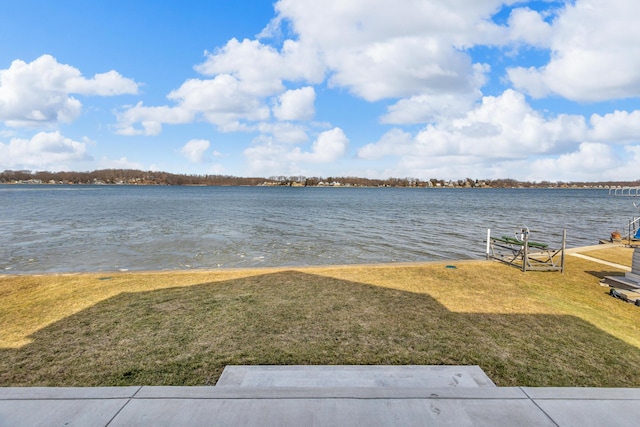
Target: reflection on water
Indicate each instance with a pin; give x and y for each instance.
(99, 228)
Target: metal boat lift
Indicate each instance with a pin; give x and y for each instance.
(625, 191)
(521, 252)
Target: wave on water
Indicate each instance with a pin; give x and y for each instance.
(110, 228)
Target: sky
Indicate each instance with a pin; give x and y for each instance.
(545, 90)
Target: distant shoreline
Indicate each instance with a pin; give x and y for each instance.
(138, 177)
(439, 187)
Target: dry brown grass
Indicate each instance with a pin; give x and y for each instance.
(619, 254)
(538, 329)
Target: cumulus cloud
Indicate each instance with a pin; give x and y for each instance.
(504, 136)
(284, 132)
(150, 119)
(375, 50)
(429, 108)
(296, 104)
(41, 92)
(195, 150)
(268, 156)
(121, 163)
(329, 147)
(379, 49)
(595, 54)
(587, 161)
(528, 26)
(417, 58)
(222, 100)
(262, 68)
(402, 68)
(335, 24)
(393, 143)
(618, 127)
(44, 151)
(244, 77)
(591, 159)
(499, 127)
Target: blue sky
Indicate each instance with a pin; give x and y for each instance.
(539, 90)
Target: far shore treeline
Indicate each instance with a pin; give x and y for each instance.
(138, 177)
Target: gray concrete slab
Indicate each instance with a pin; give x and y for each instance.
(583, 393)
(354, 376)
(591, 412)
(14, 393)
(234, 392)
(578, 406)
(323, 406)
(331, 412)
(59, 412)
(325, 396)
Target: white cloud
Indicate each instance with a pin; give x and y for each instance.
(429, 108)
(286, 132)
(220, 101)
(217, 169)
(499, 127)
(379, 49)
(121, 163)
(334, 24)
(591, 159)
(40, 92)
(393, 143)
(151, 119)
(528, 26)
(244, 75)
(617, 127)
(403, 68)
(504, 137)
(330, 146)
(296, 104)
(375, 49)
(195, 150)
(595, 54)
(414, 55)
(223, 100)
(588, 162)
(110, 83)
(268, 156)
(261, 68)
(44, 151)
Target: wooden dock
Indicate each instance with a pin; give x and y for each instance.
(631, 280)
(627, 287)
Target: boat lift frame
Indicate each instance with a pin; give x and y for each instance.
(620, 191)
(525, 254)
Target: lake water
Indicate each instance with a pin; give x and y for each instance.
(106, 228)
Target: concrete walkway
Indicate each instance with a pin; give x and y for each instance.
(465, 403)
(600, 261)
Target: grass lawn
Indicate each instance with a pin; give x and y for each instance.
(617, 254)
(183, 328)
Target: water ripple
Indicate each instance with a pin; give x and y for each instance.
(104, 228)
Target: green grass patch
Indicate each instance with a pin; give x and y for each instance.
(524, 329)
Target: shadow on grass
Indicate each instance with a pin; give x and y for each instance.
(601, 274)
(186, 336)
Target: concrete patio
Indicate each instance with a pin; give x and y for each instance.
(325, 396)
